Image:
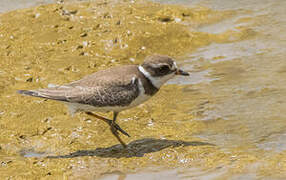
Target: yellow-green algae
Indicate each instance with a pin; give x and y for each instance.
(60, 43)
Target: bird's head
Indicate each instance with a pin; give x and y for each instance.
(159, 69)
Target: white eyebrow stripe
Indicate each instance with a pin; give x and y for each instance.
(159, 64)
(163, 64)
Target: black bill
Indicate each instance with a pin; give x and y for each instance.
(181, 72)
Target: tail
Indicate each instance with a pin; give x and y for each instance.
(53, 94)
(29, 93)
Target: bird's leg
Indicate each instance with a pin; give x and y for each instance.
(111, 123)
(113, 126)
(108, 121)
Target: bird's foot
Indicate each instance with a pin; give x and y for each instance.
(118, 128)
(115, 133)
(109, 122)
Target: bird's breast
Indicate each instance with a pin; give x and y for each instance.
(142, 97)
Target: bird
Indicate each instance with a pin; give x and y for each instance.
(113, 90)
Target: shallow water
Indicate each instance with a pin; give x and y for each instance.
(9, 5)
(225, 122)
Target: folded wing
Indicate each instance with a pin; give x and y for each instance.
(105, 95)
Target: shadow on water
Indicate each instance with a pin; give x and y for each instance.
(134, 149)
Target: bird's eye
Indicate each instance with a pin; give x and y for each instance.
(164, 68)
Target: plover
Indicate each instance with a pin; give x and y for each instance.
(115, 89)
